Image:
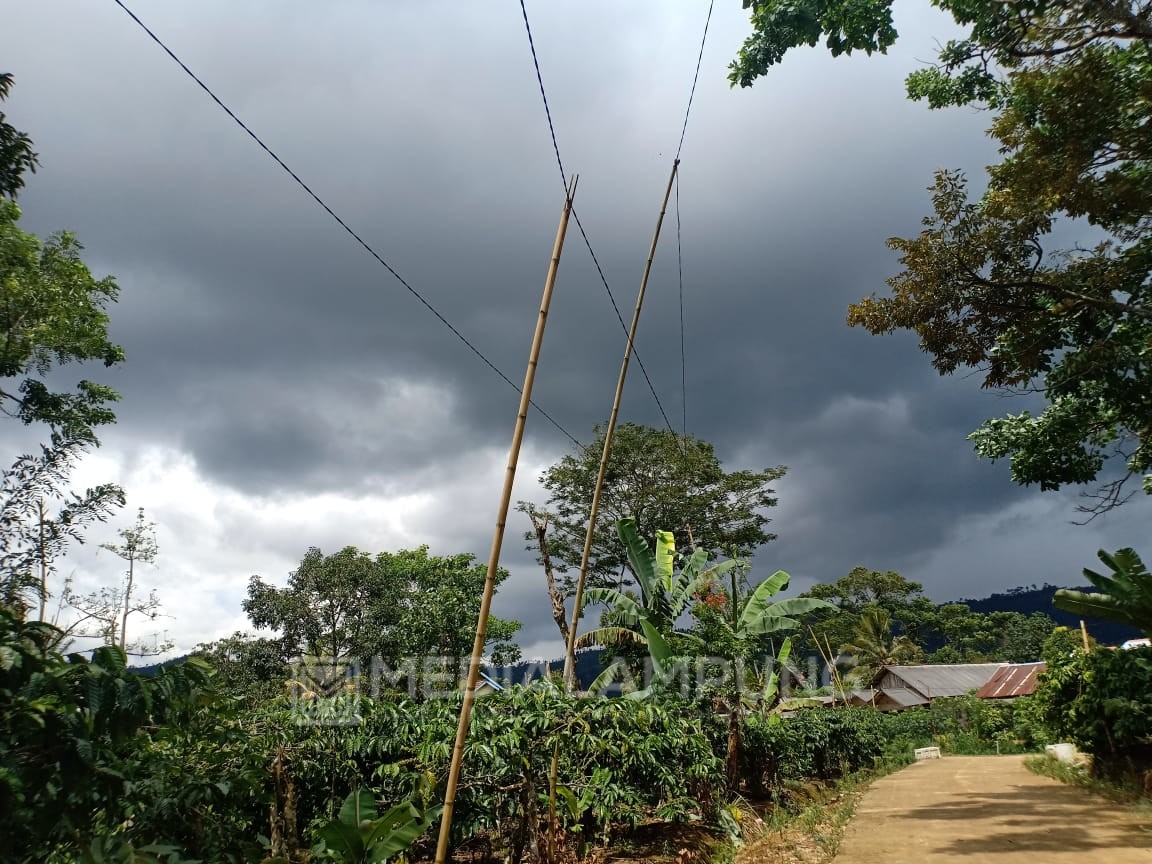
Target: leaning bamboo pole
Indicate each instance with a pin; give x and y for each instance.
(609, 432)
(594, 511)
(498, 536)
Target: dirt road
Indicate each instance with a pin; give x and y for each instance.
(979, 809)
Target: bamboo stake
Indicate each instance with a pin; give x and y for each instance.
(1084, 635)
(570, 654)
(498, 536)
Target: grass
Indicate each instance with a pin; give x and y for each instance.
(812, 833)
(1078, 775)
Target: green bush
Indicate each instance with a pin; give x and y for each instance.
(815, 744)
(1102, 702)
(966, 725)
(69, 732)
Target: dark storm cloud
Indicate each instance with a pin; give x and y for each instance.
(264, 342)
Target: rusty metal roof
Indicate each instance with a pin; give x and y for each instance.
(1018, 679)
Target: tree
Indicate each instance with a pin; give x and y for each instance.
(104, 613)
(51, 314)
(247, 667)
(862, 589)
(16, 153)
(736, 629)
(667, 592)
(985, 286)
(1126, 595)
(661, 480)
(875, 646)
(40, 516)
(352, 606)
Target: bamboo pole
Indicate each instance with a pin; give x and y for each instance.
(594, 511)
(498, 536)
(1084, 635)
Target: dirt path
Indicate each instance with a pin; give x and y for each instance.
(991, 809)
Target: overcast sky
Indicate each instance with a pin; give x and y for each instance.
(282, 390)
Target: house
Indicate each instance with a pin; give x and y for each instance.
(895, 688)
(1012, 681)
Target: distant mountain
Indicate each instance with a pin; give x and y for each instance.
(1033, 598)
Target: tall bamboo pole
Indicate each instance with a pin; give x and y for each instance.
(609, 432)
(498, 536)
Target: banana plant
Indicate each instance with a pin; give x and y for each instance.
(359, 836)
(1126, 595)
(665, 594)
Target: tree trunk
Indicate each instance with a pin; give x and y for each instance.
(559, 615)
(732, 759)
(43, 563)
(127, 603)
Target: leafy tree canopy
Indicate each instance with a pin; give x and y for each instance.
(985, 284)
(941, 633)
(664, 482)
(352, 605)
(16, 154)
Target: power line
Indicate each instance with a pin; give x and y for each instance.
(683, 352)
(338, 219)
(695, 78)
(679, 245)
(580, 225)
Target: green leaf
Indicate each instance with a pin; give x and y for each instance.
(359, 807)
(344, 839)
(639, 556)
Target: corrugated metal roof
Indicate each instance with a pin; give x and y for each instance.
(932, 681)
(1018, 679)
(887, 699)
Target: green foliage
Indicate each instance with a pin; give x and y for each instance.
(956, 632)
(16, 154)
(40, 517)
(779, 25)
(1101, 701)
(861, 589)
(983, 284)
(874, 645)
(351, 605)
(359, 836)
(664, 481)
(818, 743)
(965, 725)
(67, 731)
(1126, 595)
(52, 314)
(248, 668)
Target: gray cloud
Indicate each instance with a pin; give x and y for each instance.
(265, 345)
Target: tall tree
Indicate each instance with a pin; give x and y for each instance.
(40, 517)
(104, 613)
(52, 313)
(661, 480)
(862, 589)
(986, 285)
(355, 606)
